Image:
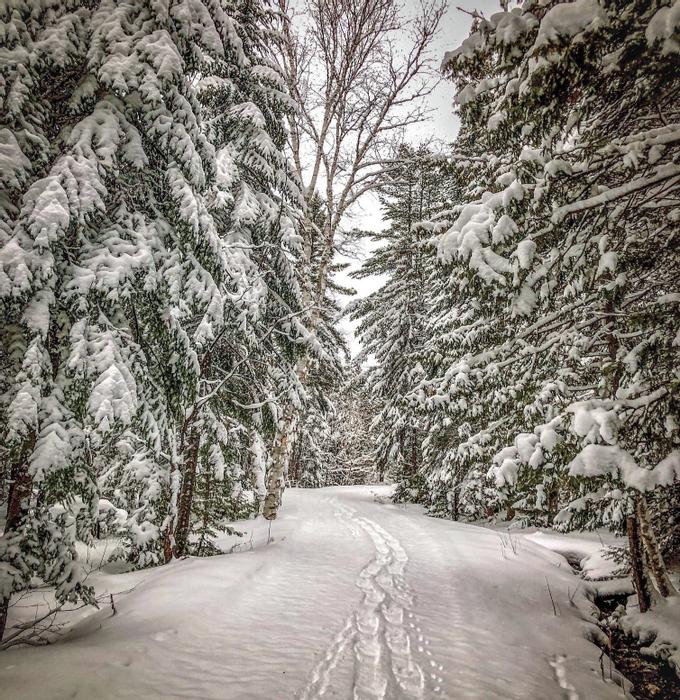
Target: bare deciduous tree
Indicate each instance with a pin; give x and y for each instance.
(358, 70)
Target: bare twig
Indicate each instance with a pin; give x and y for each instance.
(552, 600)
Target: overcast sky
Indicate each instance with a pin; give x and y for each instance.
(443, 125)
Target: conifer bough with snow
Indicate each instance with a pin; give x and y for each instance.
(181, 185)
(147, 266)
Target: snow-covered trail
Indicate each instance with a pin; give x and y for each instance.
(354, 598)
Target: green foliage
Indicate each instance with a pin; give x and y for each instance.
(149, 275)
(392, 319)
(547, 355)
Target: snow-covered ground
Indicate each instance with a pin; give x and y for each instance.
(354, 597)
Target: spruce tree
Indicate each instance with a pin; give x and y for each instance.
(565, 257)
(148, 233)
(106, 244)
(392, 319)
(246, 366)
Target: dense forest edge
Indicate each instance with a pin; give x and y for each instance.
(179, 184)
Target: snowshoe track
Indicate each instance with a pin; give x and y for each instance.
(379, 631)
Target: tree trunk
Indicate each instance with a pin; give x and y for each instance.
(612, 348)
(313, 296)
(168, 542)
(295, 464)
(17, 506)
(280, 455)
(637, 564)
(186, 496)
(414, 453)
(282, 443)
(553, 502)
(177, 472)
(19, 495)
(4, 609)
(652, 550)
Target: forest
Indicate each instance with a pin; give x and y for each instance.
(235, 411)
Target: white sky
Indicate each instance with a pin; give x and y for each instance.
(443, 126)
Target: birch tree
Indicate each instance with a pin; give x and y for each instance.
(359, 71)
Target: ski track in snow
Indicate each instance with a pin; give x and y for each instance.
(380, 630)
(353, 601)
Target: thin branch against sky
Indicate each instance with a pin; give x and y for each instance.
(442, 126)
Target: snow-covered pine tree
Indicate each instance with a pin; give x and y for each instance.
(225, 488)
(573, 244)
(313, 455)
(392, 319)
(103, 227)
(117, 269)
(244, 362)
(249, 364)
(455, 453)
(355, 440)
(335, 444)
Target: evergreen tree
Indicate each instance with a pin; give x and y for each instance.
(355, 437)
(564, 371)
(335, 444)
(150, 300)
(106, 244)
(392, 319)
(247, 363)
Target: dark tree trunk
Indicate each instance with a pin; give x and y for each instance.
(17, 506)
(186, 496)
(637, 563)
(553, 503)
(19, 495)
(455, 504)
(167, 545)
(295, 466)
(414, 453)
(612, 348)
(4, 608)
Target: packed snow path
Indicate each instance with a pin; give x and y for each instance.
(377, 630)
(355, 598)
